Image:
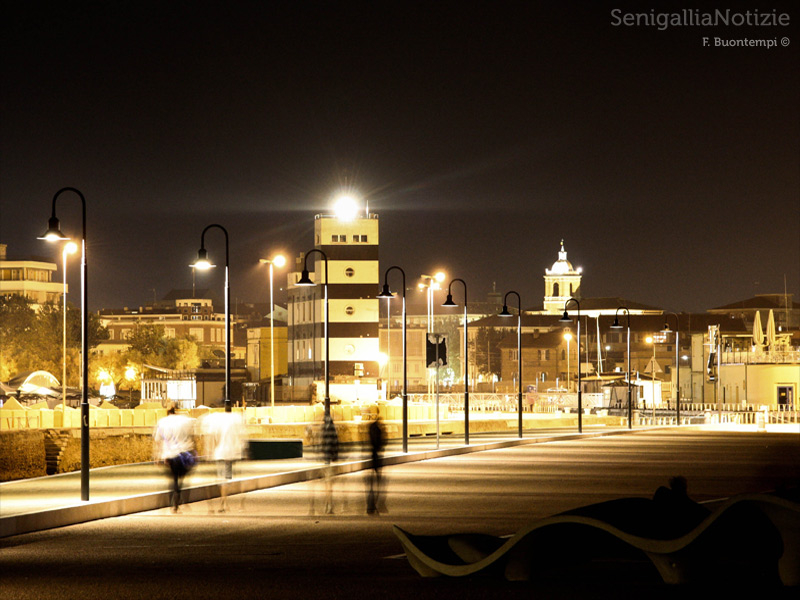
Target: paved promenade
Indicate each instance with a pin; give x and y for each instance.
(54, 501)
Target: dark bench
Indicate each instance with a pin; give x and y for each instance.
(275, 449)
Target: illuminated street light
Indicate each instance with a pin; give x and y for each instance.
(130, 376)
(505, 313)
(203, 264)
(432, 284)
(616, 325)
(677, 366)
(568, 337)
(305, 281)
(54, 234)
(566, 319)
(449, 302)
(69, 248)
(387, 293)
(278, 261)
(652, 340)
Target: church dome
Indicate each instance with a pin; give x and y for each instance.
(562, 266)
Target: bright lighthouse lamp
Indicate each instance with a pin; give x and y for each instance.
(345, 208)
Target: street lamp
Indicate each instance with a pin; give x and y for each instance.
(568, 337)
(53, 234)
(449, 302)
(505, 313)
(130, 376)
(432, 284)
(677, 365)
(387, 293)
(650, 339)
(305, 281)
(566, 319)
(203, 264)
(278, 261)
(69, 248)
(616, 325)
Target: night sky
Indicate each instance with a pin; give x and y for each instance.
(481, 133)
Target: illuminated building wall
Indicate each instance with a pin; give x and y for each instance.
(351, 246)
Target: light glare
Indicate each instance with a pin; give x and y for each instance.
(345, 208)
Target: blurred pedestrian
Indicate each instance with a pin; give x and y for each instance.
(330, 454)
(377, 439)
(173, 445)
(224, 437)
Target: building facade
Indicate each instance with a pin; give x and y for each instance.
(29, 277)
(351, 247)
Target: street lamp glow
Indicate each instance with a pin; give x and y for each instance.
(277, 261)
(202, 263)
(345, 208)
(383, 359)
(70, 248)
(568, 336)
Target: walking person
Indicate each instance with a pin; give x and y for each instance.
(330, 454)
(377, 439)
(173, 445)
(224, 439)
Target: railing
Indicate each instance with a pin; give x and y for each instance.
(760, 356)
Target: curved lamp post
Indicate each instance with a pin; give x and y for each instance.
(449, 302)
(387, 293)
(616, 325)
(277, 261)
(305, 281)
(566, 319)
(505, 313)
(203, 264)
(53, 234)
(677, 365)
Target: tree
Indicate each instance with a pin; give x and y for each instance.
(486, 347)
(32, 340)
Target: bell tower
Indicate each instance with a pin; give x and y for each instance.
(561, 282)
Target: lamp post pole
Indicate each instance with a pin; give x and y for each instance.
(429, 287)
(505, 313)
(616, 325)
(566, 319)
(652, 340)
(280, 261)
(305, 280)
(52, 234)
(69, 248)
(568, 337)
(449, 302)
(203, 264)
(386, 293)
(677, 365)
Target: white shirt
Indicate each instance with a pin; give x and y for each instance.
(224, 435)
(173, 435)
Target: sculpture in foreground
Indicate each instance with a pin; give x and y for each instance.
(752, 538)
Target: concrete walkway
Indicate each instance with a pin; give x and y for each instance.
(54, 501)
